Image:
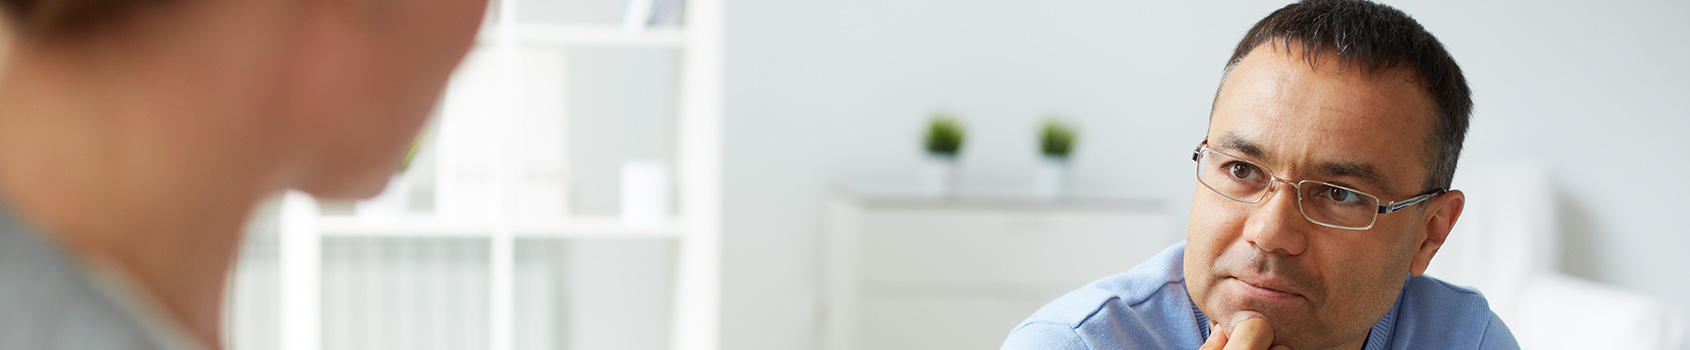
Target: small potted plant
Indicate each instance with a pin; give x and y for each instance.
(1056, 145)
(943, 141)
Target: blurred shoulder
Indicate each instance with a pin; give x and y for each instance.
(1432, 294)
(1436, 314)
(48, 300)
(1144, 308)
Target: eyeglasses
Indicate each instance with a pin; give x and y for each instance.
(1322, 203)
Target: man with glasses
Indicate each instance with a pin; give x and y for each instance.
(1322, 195)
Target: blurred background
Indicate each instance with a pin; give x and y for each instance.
(758, 174)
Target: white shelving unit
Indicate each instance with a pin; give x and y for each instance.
(694, 228)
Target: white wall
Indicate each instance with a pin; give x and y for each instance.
(820, 92)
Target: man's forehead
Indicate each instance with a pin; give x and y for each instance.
(1271, 66)
(1341, 121)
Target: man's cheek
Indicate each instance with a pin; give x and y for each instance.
(1216, 225)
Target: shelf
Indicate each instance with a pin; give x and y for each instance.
(695, 310)
(583, 35)
(424, 226)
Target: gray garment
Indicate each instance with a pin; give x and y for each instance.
(50, 301)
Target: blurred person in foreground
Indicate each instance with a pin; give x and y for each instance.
(137, 135)
(1322, 195)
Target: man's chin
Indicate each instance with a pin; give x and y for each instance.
(1231, 322)
(1232, 305)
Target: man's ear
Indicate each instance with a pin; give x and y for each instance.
(1440, 216)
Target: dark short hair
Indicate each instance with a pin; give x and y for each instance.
(1376, 38)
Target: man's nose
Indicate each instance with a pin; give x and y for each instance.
(1277, 225)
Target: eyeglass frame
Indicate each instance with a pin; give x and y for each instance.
(1384, 208)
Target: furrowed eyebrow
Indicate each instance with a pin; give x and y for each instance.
(1362, 171)
(1233, 142)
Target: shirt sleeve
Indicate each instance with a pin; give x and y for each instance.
(1497, 336)
(1044, 336)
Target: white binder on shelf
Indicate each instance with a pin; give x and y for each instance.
(509, 102)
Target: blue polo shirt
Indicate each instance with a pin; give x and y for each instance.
(1148, 308)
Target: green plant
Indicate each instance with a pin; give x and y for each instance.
(1056, 137)
(945, 135)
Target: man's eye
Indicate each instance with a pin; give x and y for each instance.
(1342, 195)
(1242, 171)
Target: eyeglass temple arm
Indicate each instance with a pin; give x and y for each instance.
(1398, 205)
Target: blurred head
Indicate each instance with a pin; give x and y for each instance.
(340, 88)
(1351, 93)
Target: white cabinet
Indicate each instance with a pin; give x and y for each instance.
(905, 272)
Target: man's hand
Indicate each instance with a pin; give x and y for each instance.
(1251, 334)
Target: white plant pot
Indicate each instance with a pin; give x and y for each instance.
(393, 201)
(938, 175)
(1050, 178)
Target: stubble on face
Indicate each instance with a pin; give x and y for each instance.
(1337, 283)
(1312, 319)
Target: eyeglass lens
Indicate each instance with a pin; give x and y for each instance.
(1320, 202)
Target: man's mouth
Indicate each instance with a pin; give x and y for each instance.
(1266, 289)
